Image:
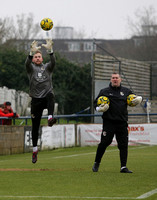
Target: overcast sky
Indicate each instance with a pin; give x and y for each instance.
(106, 19)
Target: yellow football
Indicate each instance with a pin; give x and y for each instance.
(46, 24)
(130, 98)
(103, 99)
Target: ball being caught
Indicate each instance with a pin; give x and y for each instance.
(103, 99)
(130, 98)
(46, 24)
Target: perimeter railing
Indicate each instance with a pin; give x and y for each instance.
(76, 117)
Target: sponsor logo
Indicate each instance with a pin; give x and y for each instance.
(136, 128)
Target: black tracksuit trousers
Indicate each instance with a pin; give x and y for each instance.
(120, 130)
(37, 107)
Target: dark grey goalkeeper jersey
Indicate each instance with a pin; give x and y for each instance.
(40, 77)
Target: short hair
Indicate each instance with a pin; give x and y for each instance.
(38, 51)
(116, 73)
(7, 103)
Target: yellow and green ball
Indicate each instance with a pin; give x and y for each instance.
(103, 99)
(130, 98)
(46, 24)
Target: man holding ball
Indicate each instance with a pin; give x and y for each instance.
(115, 117)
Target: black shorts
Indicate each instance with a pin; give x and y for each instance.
(39, 104)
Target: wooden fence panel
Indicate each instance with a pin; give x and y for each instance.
(134, 73)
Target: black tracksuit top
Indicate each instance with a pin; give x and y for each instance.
(118, 103)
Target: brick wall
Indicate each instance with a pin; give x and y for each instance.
(11, 140)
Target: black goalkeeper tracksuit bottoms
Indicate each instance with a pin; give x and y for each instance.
(120, 130)
(37, 107)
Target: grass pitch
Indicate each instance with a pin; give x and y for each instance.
(67, 174)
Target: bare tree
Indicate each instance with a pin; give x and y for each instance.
(23, 27)
(145, 23)
(6, 29)
(144, 34)
(26, 28)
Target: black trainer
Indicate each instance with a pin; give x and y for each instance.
(125, 170)
(34, 157)
(52, 121)
(95, 167)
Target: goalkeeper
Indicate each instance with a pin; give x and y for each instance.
(115, 117)
(41, 90)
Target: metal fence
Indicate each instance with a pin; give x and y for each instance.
(75, 117)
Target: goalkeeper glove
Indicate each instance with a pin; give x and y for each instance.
(34, 48)
(48, 46)
(102, 108)
(137, 100)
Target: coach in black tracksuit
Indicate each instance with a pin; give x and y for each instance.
(115, 117)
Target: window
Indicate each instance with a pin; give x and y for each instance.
(81, 46)
(74, 46)
(88, 46)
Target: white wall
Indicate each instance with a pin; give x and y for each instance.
(19, 99)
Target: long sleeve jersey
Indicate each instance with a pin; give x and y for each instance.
(118, 103)
(40, 77)
(2, 114)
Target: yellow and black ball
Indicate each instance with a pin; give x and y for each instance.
(130, 98)
(103, 99)
(46, 24)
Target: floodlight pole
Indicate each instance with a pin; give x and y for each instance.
(92, 80)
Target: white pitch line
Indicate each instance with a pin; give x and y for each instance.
(67, 197)
(81, 154)
(148, 194)
(144, 196)
(84, 154)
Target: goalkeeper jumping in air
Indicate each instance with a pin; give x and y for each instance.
(115, 117)
(41, 89)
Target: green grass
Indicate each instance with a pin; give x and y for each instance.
(66, 174)
(44, 122)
